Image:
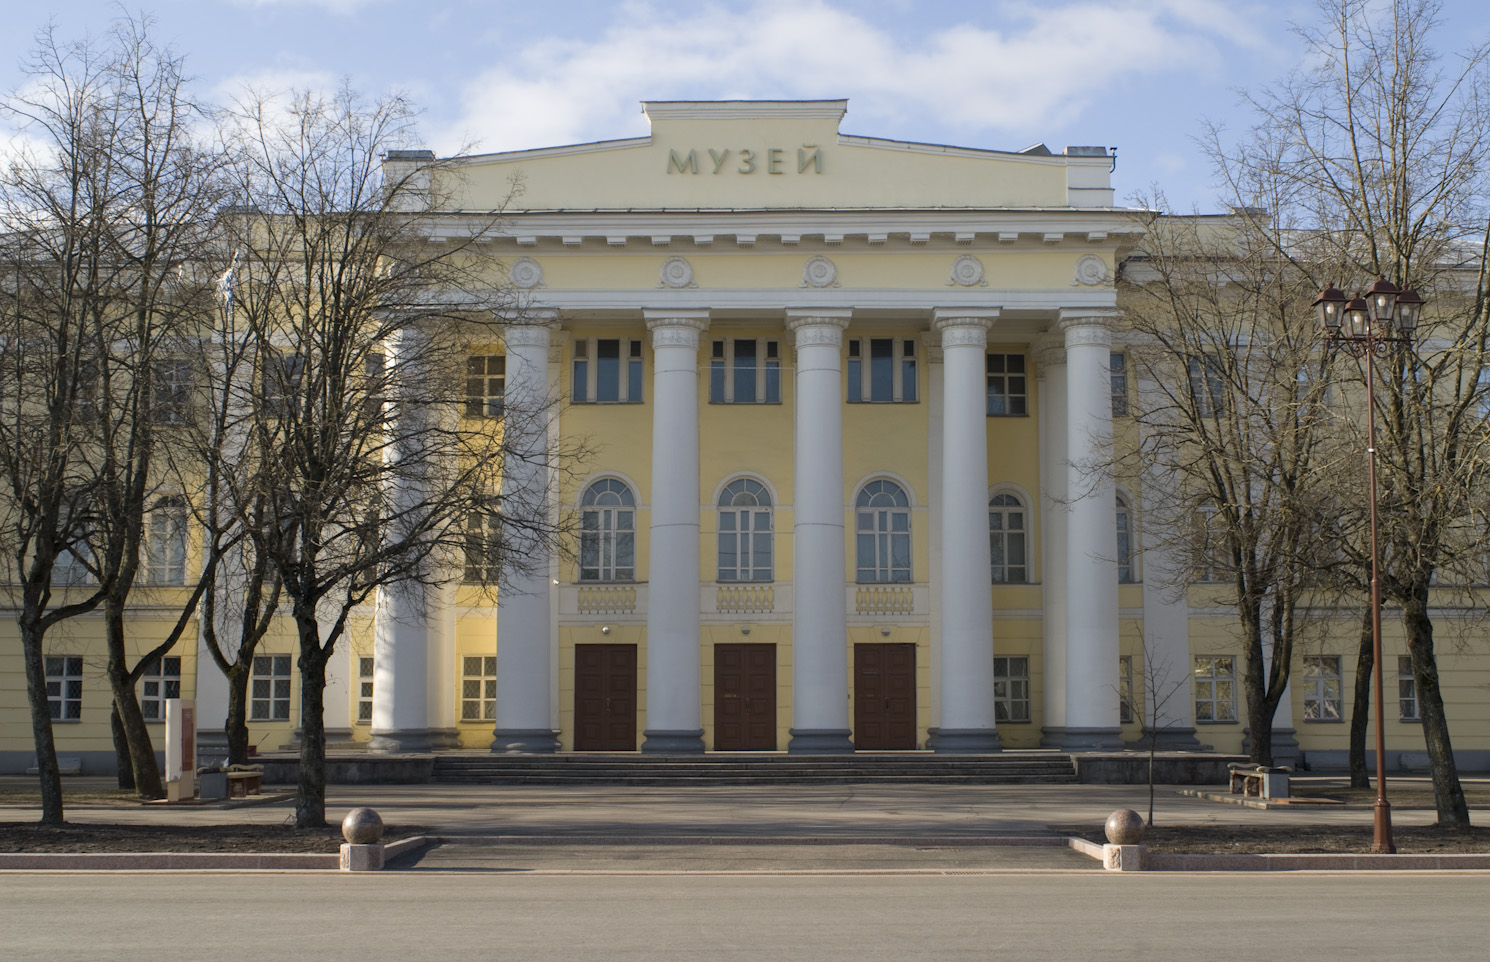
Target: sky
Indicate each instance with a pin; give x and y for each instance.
(1143, 76)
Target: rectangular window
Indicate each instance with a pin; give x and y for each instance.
(171, 385)
(1117, 367)
(1127, 715)
(607, 371)
(1207, 552)
(165, 544)
(364, 689)
(882, 370)
(1407, 690)
(1008, 386)
(374, 369)
(158, 684)
(65, 687)
(1011, 689)
(744, 370)
(483, 547)
(284, 375)
(269, 688)
(1207, 386)
(74, 566)
(1215, 688)
(478, 689)
(1322, 688)
(486, 385)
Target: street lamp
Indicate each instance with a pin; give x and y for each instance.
(1365, 327)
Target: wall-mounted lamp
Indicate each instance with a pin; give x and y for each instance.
(885, 631)
(605, 629)
(744, 629)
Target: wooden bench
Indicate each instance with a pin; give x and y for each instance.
(1259, 781)
(245, 780)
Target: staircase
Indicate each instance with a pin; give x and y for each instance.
(743, 768)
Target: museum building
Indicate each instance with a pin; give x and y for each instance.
(846, 403)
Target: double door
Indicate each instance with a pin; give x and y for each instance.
(605, 698)
(745, 698)
(884, 697)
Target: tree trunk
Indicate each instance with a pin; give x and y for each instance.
(1360, 709)
(122, 765)
(1448, 794)
(1260, 708)
(310, 802)
(41, 723)
(236, 727)
(147, 781)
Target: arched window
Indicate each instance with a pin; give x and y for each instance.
(1124, 542)
(1008, 531)
(607, 532)
(882, 527)
(745, 532)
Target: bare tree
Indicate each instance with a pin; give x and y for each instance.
(1231, 421)
(358, 328)
(1378, 144)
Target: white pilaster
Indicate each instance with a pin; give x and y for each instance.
(524, 646)
(820, 722)
(1050, 360)
(967, 713)
(1092, 702)
(674, 716)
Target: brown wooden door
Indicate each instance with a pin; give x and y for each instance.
(745, 698)
(605, 698)
(884, 697)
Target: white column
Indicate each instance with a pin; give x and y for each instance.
(1051, 377)
(820, 722)
(674, 716)
(967, 715)
(524, 646)
(1167, 676)
(1092, 703)
(402, 627)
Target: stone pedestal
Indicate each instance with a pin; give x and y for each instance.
(361, 858)
(1117, 858)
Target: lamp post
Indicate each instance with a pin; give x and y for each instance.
(1365, 327)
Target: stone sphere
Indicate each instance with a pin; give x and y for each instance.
(362, 826)
(1125, 827)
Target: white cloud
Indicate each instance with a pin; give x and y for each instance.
(333, 6)
(1011, 69)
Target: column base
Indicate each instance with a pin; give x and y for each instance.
(1174, 740)
(820, 741)
(525, 741)
(411, 741)
(1285, 747)
(964, 741)
(1092, 740)
(673, 743)
(1052, 737)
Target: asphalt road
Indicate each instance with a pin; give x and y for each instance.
(863, 918)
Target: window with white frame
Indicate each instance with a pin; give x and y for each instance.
(1117, 373)
(1322, 688)
(364, 689)
(882, 528)
(1011, 689)
(283, 375)
(1008, 539)
(65, 687)
(165, 543)
(486, 385)
(1207, 386)
(607, 370)
(744, 370)
(1127, 714)
(1007, 385)
(1125, 565)
(74, 565)
(745, 532)
(269, 688)
(171, 385)
(1207, 550)
(483, 546)
(607, 532)
(478, 688)
(1482, 393)
(1215, 688)
(882, 370)
(1407, 690)
(158, 684)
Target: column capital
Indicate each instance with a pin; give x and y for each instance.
(1087, 325)
(529, 332)
(963, 327)
(1049, 351)
(676, 328)
(821, 326)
